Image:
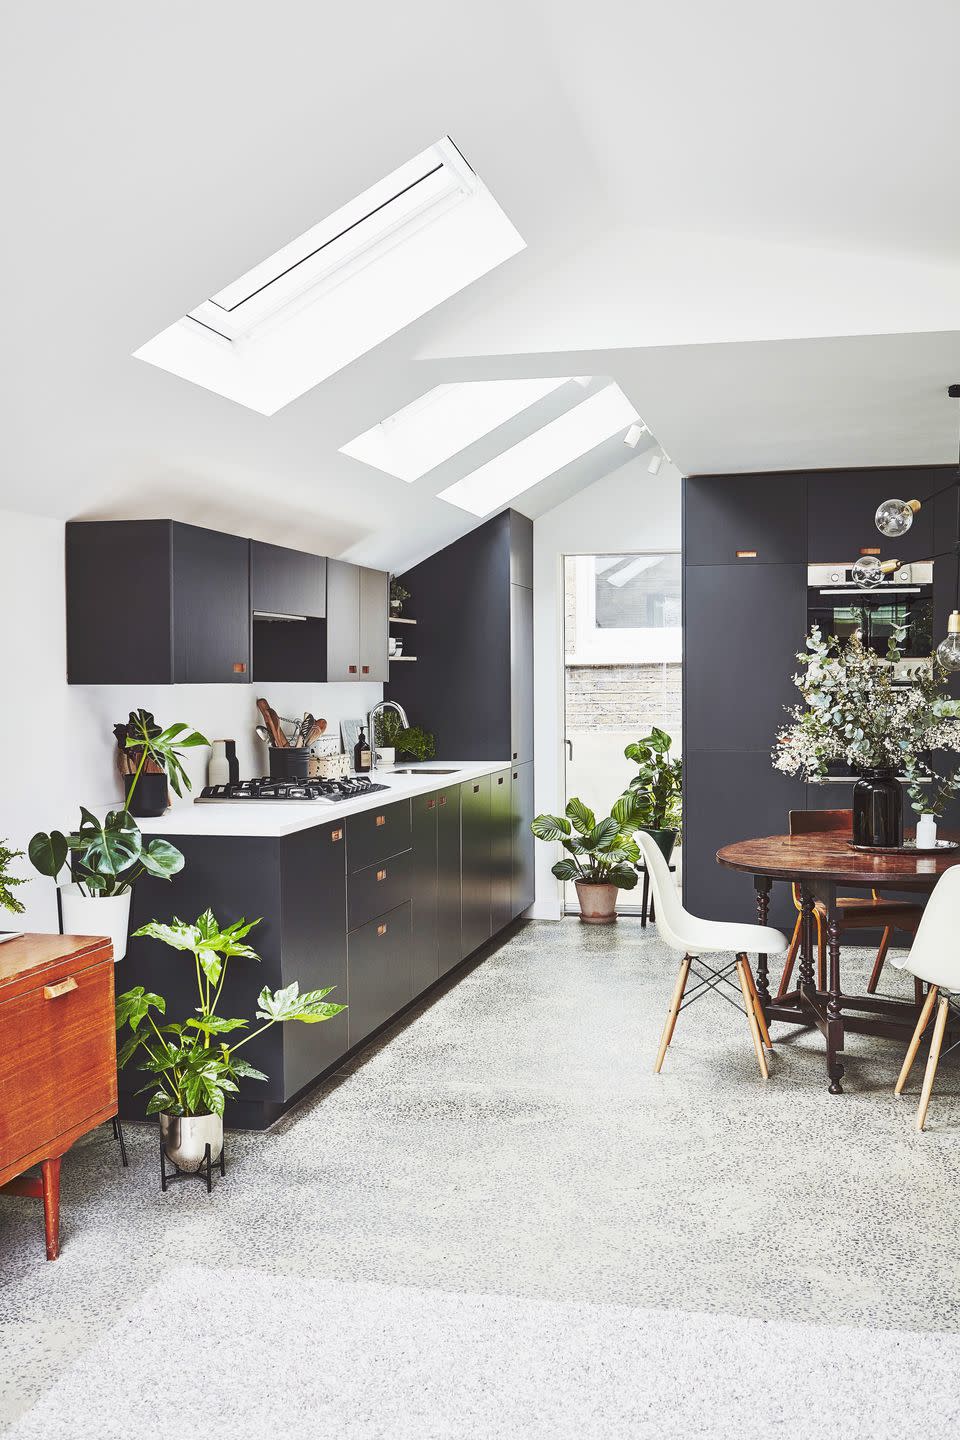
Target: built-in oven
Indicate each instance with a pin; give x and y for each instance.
(841, 606)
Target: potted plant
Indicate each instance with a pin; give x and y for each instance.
(148, 757)
(601, 858)
(397, 595)
(858, 714)
(652, 800)
(410, 742)
(9, 901)
(194, 1068)
(105, 858)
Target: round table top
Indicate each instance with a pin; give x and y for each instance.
(828, 856)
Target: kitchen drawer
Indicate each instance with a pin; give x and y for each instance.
(377, 834)
(380, 972)
(378, 888)
(57, 1058)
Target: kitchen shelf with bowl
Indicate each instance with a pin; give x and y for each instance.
(401, 657)
(401, 620)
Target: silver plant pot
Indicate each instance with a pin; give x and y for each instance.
(185, 1138)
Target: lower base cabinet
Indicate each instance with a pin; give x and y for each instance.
(501, 850)
(379, 973)
(424, 893)
(449, 863)
(522, 856)
(475, 864)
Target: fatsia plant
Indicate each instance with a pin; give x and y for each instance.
(194, 1068)
(105, 857)
(598, 853)
(652, 800)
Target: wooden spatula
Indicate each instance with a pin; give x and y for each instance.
(272, 722)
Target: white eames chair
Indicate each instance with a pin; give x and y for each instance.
(693, 938)
(935, 958)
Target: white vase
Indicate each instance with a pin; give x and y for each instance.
(926, 832)
(107, 915)
(218, 766)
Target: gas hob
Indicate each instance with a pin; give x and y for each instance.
(331, 791)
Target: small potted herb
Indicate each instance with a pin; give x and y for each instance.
(9, 901)
(398, 595)
(409, 742)
(601, 858)
(652, 801)
(194, 1066)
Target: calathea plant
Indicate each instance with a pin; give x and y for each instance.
(598, 853)
(193, 1067)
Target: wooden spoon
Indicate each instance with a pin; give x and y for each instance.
(272, 723)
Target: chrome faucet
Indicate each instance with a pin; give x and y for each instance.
(376, 710)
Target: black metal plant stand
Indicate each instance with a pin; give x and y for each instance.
(204, 1173)
(118, 1135)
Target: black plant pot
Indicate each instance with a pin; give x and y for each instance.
(150, 796)
(878, 810)
(665, 839)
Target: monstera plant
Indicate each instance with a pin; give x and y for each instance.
(600, 858)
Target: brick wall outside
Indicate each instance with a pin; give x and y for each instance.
(624, 697)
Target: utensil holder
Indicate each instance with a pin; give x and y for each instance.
(292, 763)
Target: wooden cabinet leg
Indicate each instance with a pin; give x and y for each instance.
(50, 1170)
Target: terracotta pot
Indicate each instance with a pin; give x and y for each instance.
(598, 903)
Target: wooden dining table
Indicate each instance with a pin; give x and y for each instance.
(822, 866)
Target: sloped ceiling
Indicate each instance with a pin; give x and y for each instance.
(747, 218)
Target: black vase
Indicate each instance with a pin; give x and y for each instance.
(878, 809)
(150, 796)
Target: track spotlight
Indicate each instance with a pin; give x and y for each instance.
(655, 462)
(632, 437)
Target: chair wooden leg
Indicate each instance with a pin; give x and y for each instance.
(791, 959)
(915, 1039)
(751, 1015)
(758, 1007)
(671, 1020)
(878, 963)
(821, 954)
(932, 1059)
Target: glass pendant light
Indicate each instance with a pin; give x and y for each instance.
(894, 517)
(948, 651)
(866, 571)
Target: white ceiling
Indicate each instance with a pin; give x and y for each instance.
(746, 216)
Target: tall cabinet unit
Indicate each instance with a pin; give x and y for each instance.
(472, 682)
(357, 610)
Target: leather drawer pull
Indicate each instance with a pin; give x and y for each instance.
(365, 669)
(351, 669)
(239, 667)
(336, 834)
(500, 780)
(381, 929)
(443, 799)
(516, 774)
(62, 987)
(381, 819)
(430, 804)
(476, 789)
(381, 874)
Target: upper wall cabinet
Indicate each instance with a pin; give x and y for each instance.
(156, 602)
(842, 505)
(358, 607)
(287, 582)
(744, 519)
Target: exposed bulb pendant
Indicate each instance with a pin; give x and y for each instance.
(894, 517)
(869, 571)
(948, 651)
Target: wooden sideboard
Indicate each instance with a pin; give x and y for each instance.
(58, 1059)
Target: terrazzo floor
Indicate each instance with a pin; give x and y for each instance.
(509, 1147)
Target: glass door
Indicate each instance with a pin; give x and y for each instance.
(622, 672)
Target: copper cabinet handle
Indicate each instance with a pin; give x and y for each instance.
(62, 987)
(431, 804)
(499, 779)
(516, 755)
(240, 667)
(381, 874)
(746, 554)
(351, 669)
(516, 774)
(336, 834)
(381, 819)
(365, 669)
(443, 799)
(381, 929)
(476, 789)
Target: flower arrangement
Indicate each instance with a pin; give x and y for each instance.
(856, 712)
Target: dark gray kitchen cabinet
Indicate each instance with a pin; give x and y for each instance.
(472, 684)
(449, 879)
(475, 864)
(841, 505)
(357, 611)
(501, 850)
(375, 834)
(287, 582)
(424, 891)
(377, 888)
(380, 977)
(724, 514)
(522, 842)
(742, 628)
(295, 886)
(185, 617)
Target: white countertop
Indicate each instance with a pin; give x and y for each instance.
(285, 817)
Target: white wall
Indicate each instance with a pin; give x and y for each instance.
(56, 740)
(629, 509)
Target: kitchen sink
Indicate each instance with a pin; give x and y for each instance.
(425, 771)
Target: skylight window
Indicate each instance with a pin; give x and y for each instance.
(559, 443)
(405, 245)
(443, 422)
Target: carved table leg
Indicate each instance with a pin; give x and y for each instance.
(763, 884)
(834, 1013)
(806, 940)
(50, 1169)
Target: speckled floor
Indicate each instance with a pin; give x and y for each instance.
(511, 1144)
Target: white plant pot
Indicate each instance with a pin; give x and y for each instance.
(96, 915)
(186, 1137)
(386, 754)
